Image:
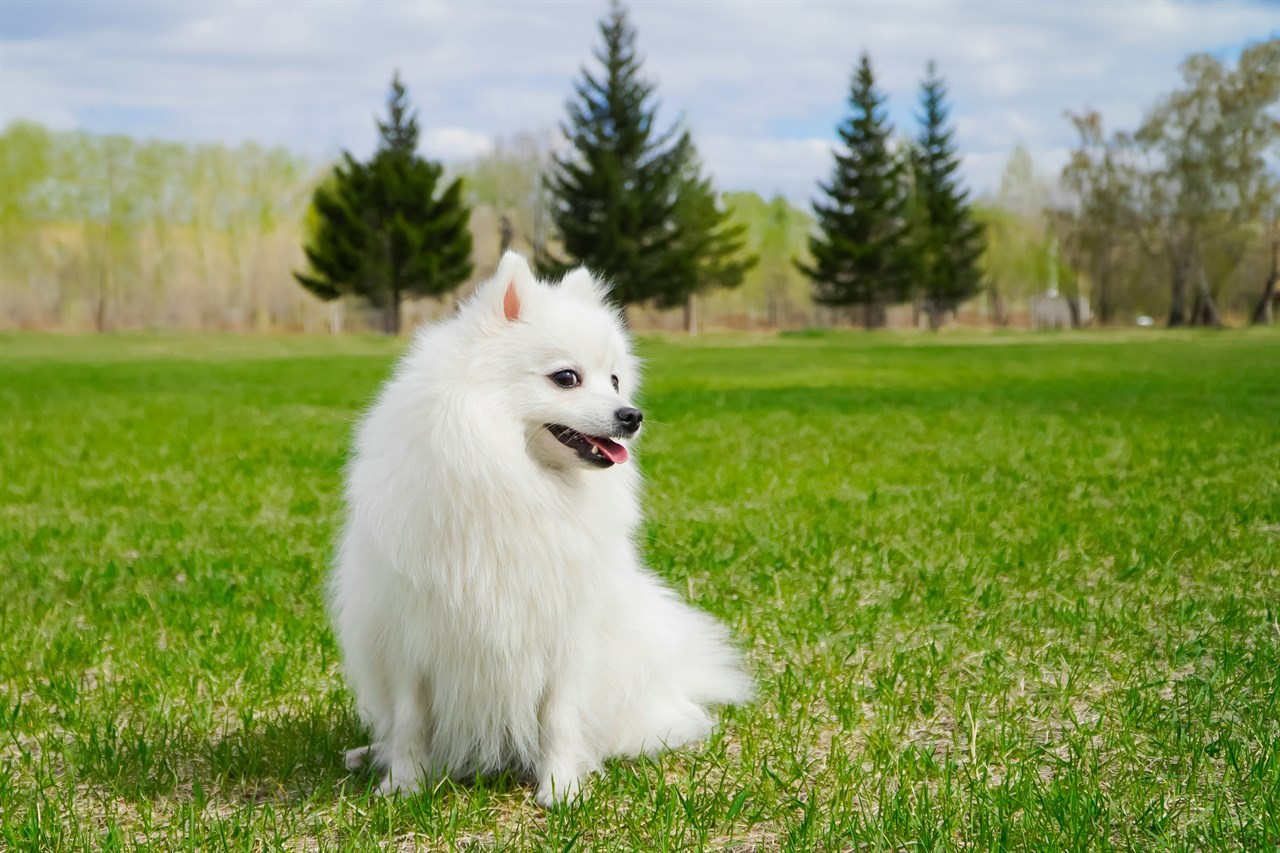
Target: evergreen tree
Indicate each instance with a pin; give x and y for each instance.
(859, 252)
(627, 200)
(947, 242)
(709, 238)
(381, 230)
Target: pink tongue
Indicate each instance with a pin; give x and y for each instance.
(616, 452)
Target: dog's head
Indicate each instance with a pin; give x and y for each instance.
(563, 360)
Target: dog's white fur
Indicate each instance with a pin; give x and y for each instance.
(488, 597)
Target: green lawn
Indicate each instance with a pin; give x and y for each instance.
(999, 592)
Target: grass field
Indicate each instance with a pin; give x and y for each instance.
(998, 592)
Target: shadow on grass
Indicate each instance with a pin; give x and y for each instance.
(284, 754)
(290, 754)
(287, 756)
(301, 757)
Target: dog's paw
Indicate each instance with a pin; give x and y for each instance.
(395, 786)
(558, 790)
(357, 759)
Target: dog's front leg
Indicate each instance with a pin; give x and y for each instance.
(565, 760)
(407, 751)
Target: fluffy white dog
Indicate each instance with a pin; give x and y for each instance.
(488, 597)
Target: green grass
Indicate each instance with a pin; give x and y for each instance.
(999, 592)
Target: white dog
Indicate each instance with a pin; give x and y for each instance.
(488, 597)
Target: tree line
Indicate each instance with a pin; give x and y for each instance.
(1177, 216)
(1187, 196)
(107, 232)
(1191, 197)
(630, 200)
(895, 223)
(626, 198)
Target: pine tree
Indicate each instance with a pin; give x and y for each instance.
(381, 229)
(710, 238)
(859, 255)
(947, 242)
(615, 197)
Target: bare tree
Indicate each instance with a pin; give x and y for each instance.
(1095, 223)
(1208, 181)
(1262, 314)
(1188, 192)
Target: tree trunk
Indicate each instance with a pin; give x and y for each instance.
(691, 315)
(1207, 312)
(391, 315)
(1102, 282)
(996, 302)
(1073, 308)
(100, 310)
(104, 289)
(1178, 298)
(1262, 314)
(506, 234)
(934, 311)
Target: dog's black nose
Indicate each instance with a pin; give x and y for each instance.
(629, 418)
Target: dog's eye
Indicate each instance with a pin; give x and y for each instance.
(614, 377)
(566, 378)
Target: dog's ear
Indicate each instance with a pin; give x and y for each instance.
(510, 288)
(511, 302)
(582, 285)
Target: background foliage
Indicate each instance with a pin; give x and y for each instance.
(107, 232)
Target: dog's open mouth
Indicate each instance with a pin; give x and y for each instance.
(592, 449)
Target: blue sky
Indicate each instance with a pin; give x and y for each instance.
(762, 83)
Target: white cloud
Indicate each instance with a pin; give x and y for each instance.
(455, 143)
(762, 84)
